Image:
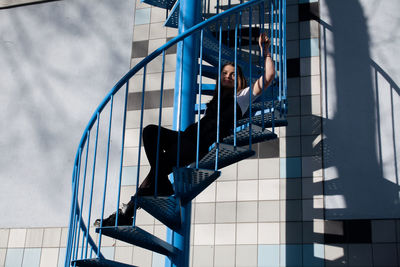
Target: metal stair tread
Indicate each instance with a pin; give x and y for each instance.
(227, 155)
(173, 17)
(257, 134)
(279, 120)
(166, 4)
(189, 182)
(99, 263)
(139, 237)
(164, 209)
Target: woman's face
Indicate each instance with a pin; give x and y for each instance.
(228, 76)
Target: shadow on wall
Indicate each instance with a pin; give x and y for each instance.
(358, 146)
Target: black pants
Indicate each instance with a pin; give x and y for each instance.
(168, 149)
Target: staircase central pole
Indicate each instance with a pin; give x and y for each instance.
(187, 61)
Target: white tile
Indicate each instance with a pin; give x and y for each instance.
(225, 212)
(204, 212)
(247, 211)
(51, 237)
(141, 257)
(49, 257)
(154, 44)
(157, 30)
(269, 168)
(223, 256)
(160, 231)
(208, 195)
(246, 256)
(144, 218)
(172, 32)
(268, 189)
(268, 233)
(311, 105)
(268, 211)
(141, 32)
(157, 15)
(131, 156)
(17, 238)
(313, 232)
(225, 234)
(3, 252)
(247, 190)
(64, 237)
(4, 234)
(248, 169)
(136, 82)
(124, 254)
(203, 256)
(34, 238)
(336, 255)
(204, 234)
(246, 233)
(226, 191)
(228, 173)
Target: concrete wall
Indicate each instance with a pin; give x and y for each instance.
(360, 80)
(58, 60)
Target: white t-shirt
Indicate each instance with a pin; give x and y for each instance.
(243, 99)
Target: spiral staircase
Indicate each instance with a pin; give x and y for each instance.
(225, 33)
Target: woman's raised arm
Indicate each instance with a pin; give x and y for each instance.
(264, 42)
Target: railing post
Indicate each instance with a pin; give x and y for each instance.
(185, 84)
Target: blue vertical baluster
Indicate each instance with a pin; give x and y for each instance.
(284, 58)
(262, 9)
(77, 234)
(84, 185)
(235, 91)
(180, 108)
(199, 102)
(122, 151)
(219, 96)
(159, 121)
(140, 142)
(92, 183)
(71, 221)
(251, 82)
(106, 170)
(217, 6)
(273, 41)
(280, 50)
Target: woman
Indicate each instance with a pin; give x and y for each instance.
(208, 132)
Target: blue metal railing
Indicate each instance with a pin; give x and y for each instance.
(80, 241)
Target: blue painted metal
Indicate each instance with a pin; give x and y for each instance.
(99, 263)
(257, 135)
(228, 154)
(173, 18)
(166, 4)
(139, 237)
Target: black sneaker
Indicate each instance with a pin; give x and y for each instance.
(110, 221)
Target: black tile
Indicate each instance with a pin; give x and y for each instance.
(140, 49)
(309, 11)
(293, 67)
(269, 149)
(354, 231)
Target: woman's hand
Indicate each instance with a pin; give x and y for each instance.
(264, 42)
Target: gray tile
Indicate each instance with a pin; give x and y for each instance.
(313, 232)
(247, 211)
(290, 146)
(293, 86)
(312, 187)
(140, 48)
(223, 256)
(293, 49)
(291, 233)
(311, 105)
(34, 238)
(4, 234)
(384, 254)
(311, 125)
(360, 255)
(291, 210)
(290, 188)
(292, 31)
(226, 212)
(292, 13)
(294, 106)
(269, 149)
(293, 128)
(246, 255)
(383, 231)
(204, 212)
(310, 85)
(311, 145)
(309, 29)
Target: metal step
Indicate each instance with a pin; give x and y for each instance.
(189, 182)
(257, 135)
(227, 155)
(138, 237)
(99, 263)
(279, 120)
(173, 17)
(206, 89)
(166, 4)
(165, 209)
